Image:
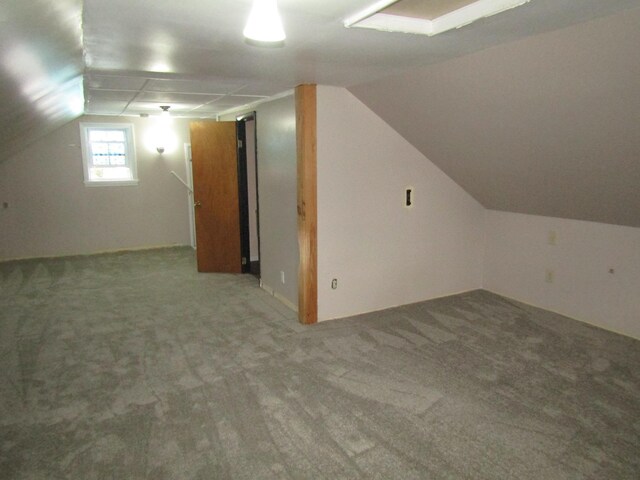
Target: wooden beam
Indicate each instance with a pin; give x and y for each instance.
(306, 141)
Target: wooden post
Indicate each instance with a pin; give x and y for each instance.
(306, 141)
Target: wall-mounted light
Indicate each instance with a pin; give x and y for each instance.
(165, 111)
(165, 117)
(264, 25)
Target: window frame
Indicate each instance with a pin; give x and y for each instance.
(130, 153)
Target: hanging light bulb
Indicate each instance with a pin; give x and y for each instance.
(264, 24)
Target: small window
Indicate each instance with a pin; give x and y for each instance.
(108, 154)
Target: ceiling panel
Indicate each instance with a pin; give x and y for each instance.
(227, 103)
(94, 96)
(136, 108)
(174, 98)
(263, 89)
(114, 82)
(106, 107)
(213, 86)
(209, 109)
(238, 99)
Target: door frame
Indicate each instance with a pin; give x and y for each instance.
(192, 213)
(243, 197)
(244, 190)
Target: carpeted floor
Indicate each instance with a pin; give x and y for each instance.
(133, 366)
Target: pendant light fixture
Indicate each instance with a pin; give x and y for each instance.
(264, 24)
(165, 111)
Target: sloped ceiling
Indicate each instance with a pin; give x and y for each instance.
(190, 54)
(41, 69)
(547, 125)
(536, 125)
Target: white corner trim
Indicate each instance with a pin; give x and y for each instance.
(369, 18)
(395, 23)
(251, 106)
(286, 302)
(278, 296)
(367, 12)
(470, 13)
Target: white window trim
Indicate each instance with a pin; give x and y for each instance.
(131, 154)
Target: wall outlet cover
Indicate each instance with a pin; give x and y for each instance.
(549, 275)
(409, 197)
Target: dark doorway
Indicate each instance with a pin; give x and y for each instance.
(248, 184)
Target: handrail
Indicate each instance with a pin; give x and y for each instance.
(182, 181)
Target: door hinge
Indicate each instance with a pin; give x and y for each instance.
(244, 260)
(239, 143)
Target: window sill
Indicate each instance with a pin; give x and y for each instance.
(112, 183)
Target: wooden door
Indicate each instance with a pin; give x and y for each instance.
(215, 194)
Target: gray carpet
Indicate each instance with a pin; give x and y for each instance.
(133, 366)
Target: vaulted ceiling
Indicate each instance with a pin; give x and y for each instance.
(546, 125)
(41, 69)
(461, 97)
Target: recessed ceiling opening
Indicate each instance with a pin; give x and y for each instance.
(427, 17)
(425, 9)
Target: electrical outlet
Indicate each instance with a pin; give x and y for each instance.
(334, 283)
(282, 276)
(549, 275)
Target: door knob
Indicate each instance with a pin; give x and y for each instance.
(197, 204)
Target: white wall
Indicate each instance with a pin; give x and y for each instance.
(381, 253)
(518, 254)
(277, 195)
(5, 213)
(51, 212)
(252, 189)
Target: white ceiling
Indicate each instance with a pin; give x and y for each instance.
(191, 54)
(135, 55)
(40, 68)
(127, 57)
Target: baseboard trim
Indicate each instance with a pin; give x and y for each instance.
(99, 252)
(278, 296)
(445, 295)
(586, 322)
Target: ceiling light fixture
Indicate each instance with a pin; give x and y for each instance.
(161, 134)
(264, 25)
